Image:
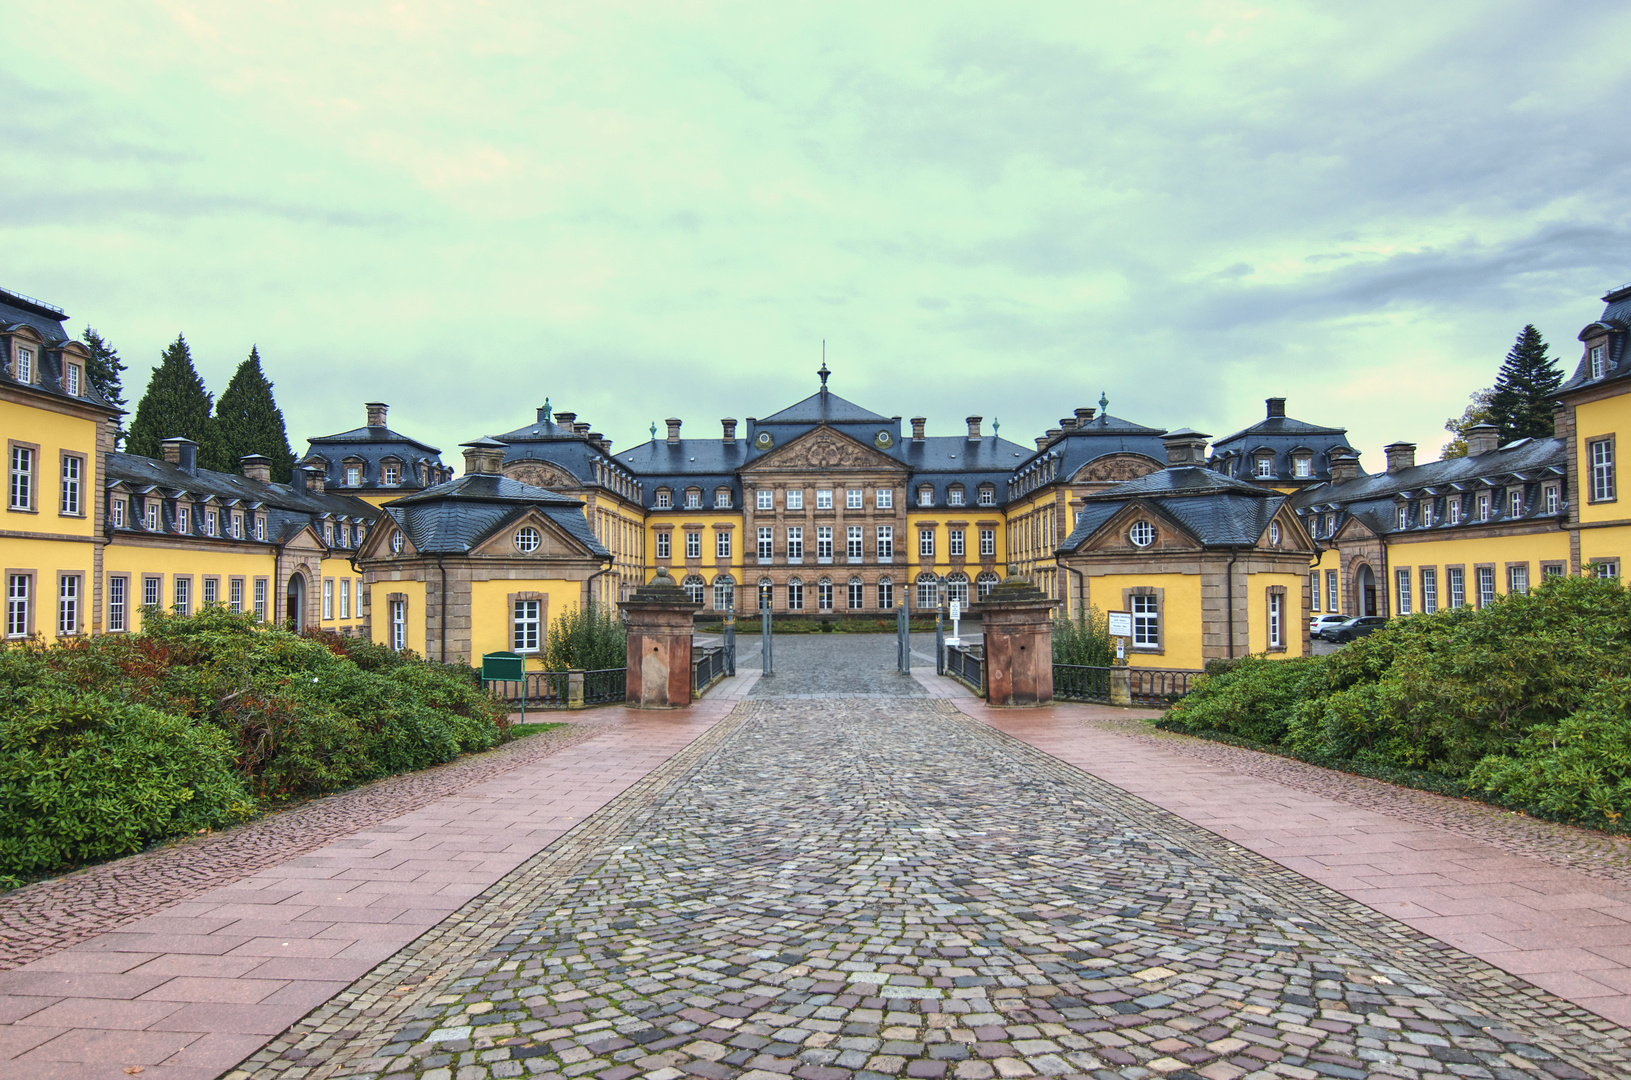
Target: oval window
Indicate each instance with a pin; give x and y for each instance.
(1142, 533)
(883, 440)
(527, 538)
(763, 440)
(396, 543)
(1274, 533)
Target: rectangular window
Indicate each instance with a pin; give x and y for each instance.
(823, 595)
(795, 499)
(70, 379)
(1302, 468)
(328, 533)
(1402, 580)
(663, 500)
(1276, 631)
(1330, 524)
(1265, 468)
(524, 627)
(722, 545)
(1602, 470)
(767, 543)
(399, 624)
(1453, 509)
(212, 523)
(852, 499)
(662, 545)
(212, 591)
(1429, 590)
(1483, 506)
(181, 518)
(925, 542)
(1599, 363)
(988, 496)
(764, 499)
(25, 365)
(928, 593)
(260, 599)
(722, 498)
(183, 595)
(1486, 586)
(152, 590)
(954, 497)
(795, 596)
(1313, 590)
(1458, 586)
(328, 599)
(886, 498)
(1514, 502)
(22, 478)
(1552, 497)
(886, 543)
(235, 594)
(693, 545)
(1404, 517)
(117, 588)
(118, 513)
(17, 598)
(1426, 512)
(693, 500)
(353, 475)
(724, 593)
(392, 474)
(1146, 622)
(1606, 568)
(68, 604)
(954, 541)
(1517, 579)
(71, 470)
(886, 595)
(823, 500)
(1333, 592)
(795, 543)
(852, 543)
(260, 527)
(857, 595)
(925, 496)
(345, 598)
(1549, 570)
(823, 543)
(237, 526)
(988, 542)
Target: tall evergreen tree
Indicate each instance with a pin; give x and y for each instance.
(1521, 405)
(103, 372)
(176, 403)
(250, 420)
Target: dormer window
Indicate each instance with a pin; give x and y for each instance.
(391, 475)
(260, 527)
(1483, 506)
(664, 499)
(1302, 467)
(925, 495)
(181, 518)
(988, 495)
(1599, 361)
(152, 516)
(1454, 510)
(70, 379)
(693, 498)
(1265, 468)
(1552, 497)
(954, 497)
(328, 533)
(24, 368)
(211, 520)
(1426, 512)
(1404, 517)
(1514, 502)
(1330, 524)
(353, 475)
(118, 513)
(722, 498)
(237, 526)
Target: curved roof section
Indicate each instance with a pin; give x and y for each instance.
(838, 411)
(370, 436)
(454, 517)
(1217, 511)
(1614, 320)
(1524, 457)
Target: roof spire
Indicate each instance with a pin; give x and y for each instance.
(546, 408)
(654, 431)
(823, 373)
(1104, 409)
(996, 426)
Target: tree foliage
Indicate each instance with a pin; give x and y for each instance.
(1521, 403)
(1477, 412)
(1085, 641)
(591, 638)
(176, 404)
(104, 371)
(250, 421)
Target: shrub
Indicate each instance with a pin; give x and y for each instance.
(590, 637)
(1578, 769)
(1085, 641)
(1253, 699)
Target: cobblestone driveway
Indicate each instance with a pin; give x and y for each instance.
(833, 665)
(882, 888)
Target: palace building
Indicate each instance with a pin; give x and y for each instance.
(823, 509)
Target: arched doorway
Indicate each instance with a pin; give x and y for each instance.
(1365, 590)
(294, 610)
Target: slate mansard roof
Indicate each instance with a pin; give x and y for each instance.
(373, 445)
(1615, 321)
(1217, 511)
(455, 517)
(17, 312)
(1284, 438)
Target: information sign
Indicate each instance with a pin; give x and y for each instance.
(1121, 623)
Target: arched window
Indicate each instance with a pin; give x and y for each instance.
(957, 588)
(857, 594)
(928, 591)
(985, 583)
(824, 594)
(795, 595)
(694, 587)
(886, 594)
(724, 592)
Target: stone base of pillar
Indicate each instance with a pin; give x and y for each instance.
(659, 664)
(1018, 623)
(1121, 686)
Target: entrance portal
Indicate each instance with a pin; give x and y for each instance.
(294, 611)
(1365, 590)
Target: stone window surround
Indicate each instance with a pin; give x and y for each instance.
(33, 506)
(1528, 583)
(1446, 598)
(68, 455)
(1561, 568)
(1495, 583)
(1269, 591)
(1409, 582)
(108, 622)
(1160, 594)
(243, 593)
(33, 596)
(1585, 462)
(390, 630)
(175, 592)
(509, 617)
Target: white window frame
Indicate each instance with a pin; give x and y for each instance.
(724, 593)
(260, 599)
(399, 625)
(1263, 468)
(1276, 621)
(118, 598)
(765, 499)
(664, 499)
(1302, 467)
(823, 499)
(954, 496)
(1401, 586)
(988, 542)
(767, 543)
(886, 543)
(1599, 361)
(235, 594)
(853, 541)
(1455, 578)
(345, 598)
(24, 369)
(118, 513)
(152, 590)
(795, 543)
(954, 542)
(722, 498)
(722, 544)
(885, 498)
(390, 475)
(1514, 502)
(19, 594)
(795, 595)
(693, 498)
(925, 495)
(664, 544)
(1453, 506)
(69, 587)
(1486, 585)
(928, 592)
(1333, 592)
(824, 595)
(853, 499)
(987, 495)
(73, 469)
(925, 543)
(794, 498)
(1483, 504)
(526, 631)
(1146, 610)
(1429, 589)
(181, 593)
(856, 594)
(1517, 579)
(693, 545)
(886, 594)
(1602, 470)
(22, 478)
(823, 543)
(1553, 496)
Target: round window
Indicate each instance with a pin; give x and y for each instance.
(527, 538)
(396, 543)
(883, 440)
(763, 440)
(1142, 533)
(1274, 533)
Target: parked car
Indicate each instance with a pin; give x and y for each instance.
(1319, 622)
(1359, 627)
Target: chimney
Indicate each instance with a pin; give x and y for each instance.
(1067, 423)
(1054, 433)
(297, 479)
(1185, 447)
(1041, 441)
(316, 478)
(256, 467)
(1482, 439)
(596, 440)
(182, 453)
(1344, 465)
(730, 431)
(564, 419)
(917, 427)
(1400, 456)
(974, 426)
(484, 457)
(580, 428)
(376, 413)
(673, 423)
(1277, 407)
(1083, 416)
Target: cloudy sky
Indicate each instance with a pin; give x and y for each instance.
(645, 209)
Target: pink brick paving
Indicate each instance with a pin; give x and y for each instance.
(1564, 931)
(196, 985)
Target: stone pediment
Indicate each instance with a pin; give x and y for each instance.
(1113, 537)
(824, 450)
(1115, 469)
(542, 474)
(554, 542)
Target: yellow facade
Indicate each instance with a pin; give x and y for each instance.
(490, 612)
(1180, 614)
(1293, 615)
(1511, 561)
(173, 576)
(380, 589)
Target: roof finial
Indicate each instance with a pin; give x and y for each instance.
(996, 426)
(1104, 402)
(546, 408)
(654, 431)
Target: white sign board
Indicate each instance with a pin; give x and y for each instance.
(1121, 623)
(957, 613)
(1121, 649)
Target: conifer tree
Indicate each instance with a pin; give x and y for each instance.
(102, 371)
(176, 403)
(250, 421)
(1521, 405)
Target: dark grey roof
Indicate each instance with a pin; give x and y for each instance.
(46, 319)
(1615, 320)
(1217, 511)
(1282, 437)
(369, 436)
(454, 517)
(1526, 456)
(17, 311)
(809, 411)
(373, 446)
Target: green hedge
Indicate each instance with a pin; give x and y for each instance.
(110, 743)
(1525, 703)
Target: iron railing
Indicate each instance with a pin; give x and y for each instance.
(707, 667)
(1147, 686)
(967, 662)
(606, 686)
(553, 689)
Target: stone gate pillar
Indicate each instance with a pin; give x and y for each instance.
(659, 672)
(1018, 623)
